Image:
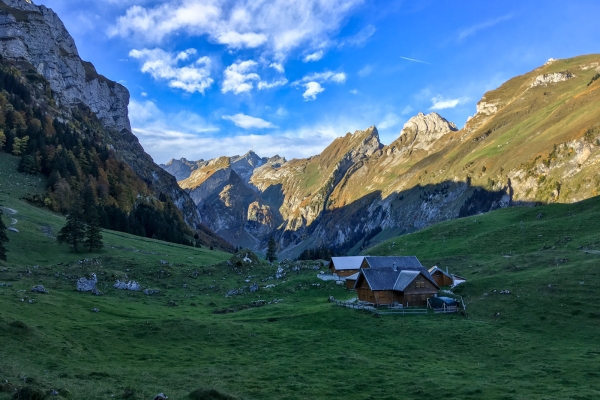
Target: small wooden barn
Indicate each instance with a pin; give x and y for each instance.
(441, 277)
(345, 266)
(351, 281)
(394, 280)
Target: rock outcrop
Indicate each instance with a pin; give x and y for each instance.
(555, 77)
(36, 35)
(181, 169)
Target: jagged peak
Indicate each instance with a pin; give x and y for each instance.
(430, 126)
(21, 4)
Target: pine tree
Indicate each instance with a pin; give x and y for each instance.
(93, 231)
(271, 250)
(3, 238)
(73, 232)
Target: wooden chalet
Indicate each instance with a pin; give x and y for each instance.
(345, 266)
(441, 277)
(394, 280)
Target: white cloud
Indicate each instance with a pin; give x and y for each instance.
(312, 83)
(238, 78)
(354, 91)
(269, 85)
(247, 122)
(144, 94)
(365, 71)
(316, 56)
(278, 26)
(312, 90)
(440, 103)
(487, 24)
(337, 77)
(278, 67)
(194, 77)
(389, 121)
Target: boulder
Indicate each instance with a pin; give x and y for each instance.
(39, 289)
(87, 285)
(131, 285)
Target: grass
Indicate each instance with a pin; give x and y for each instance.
(539, 342)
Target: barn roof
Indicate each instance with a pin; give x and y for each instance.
(435, 268)
(404, 279)
(352, 262)
(353, 277)
(401, 262)
(389, 279)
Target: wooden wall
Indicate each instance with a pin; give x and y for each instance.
(442, 279)
(416, 295)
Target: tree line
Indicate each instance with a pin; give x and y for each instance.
(76, 158)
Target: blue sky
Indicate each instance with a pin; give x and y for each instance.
(221, 77)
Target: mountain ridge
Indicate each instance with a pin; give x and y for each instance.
(533, 139)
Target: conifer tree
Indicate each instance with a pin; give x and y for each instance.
(3, 238)
(73, 232)
(93, 231)
(271, 250)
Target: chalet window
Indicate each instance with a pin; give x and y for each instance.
(420, 284)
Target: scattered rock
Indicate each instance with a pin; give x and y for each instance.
(39, 289)
(160, 396)
(280, 273)
(150, 292)
(54, 392)
(13, 229)
(505, 292)
(131, 285)
(87, 285)
(163, 262)
(254, 287)
(95, 310)
(269, 286)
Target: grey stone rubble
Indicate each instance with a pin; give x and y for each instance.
(150, 292)
(95, 310)
(160, 396)
(87, 285)
(280, 273)
(131, 285)
(254, 287)
(39, 289)
(13, 229)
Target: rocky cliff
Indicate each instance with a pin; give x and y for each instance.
(35, 34)
(534, 139)
(34, 40)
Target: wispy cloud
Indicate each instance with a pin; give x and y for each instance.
(365, 71)
(484, 25)
(414, 60)
(313, 83)
(193, 77)
(360, 38)
(441, 103)
(316, 56)
(389, 121)
(247, 122)
(277, 26)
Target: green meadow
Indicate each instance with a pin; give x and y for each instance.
(287, 341)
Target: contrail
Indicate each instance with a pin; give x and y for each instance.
(413, 60)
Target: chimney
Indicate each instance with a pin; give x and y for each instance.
(395, 269)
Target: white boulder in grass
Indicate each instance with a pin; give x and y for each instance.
(131, 285)
(87, 285)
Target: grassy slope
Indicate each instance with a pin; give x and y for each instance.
(543, 345)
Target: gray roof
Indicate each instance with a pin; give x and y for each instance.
(381, 278)
(353, 262)
(401, 262)
(390, 278)
(404, 279)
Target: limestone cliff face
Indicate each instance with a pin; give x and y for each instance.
(35, 34)
(182, 168)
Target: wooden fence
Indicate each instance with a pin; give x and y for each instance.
(400, 310)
